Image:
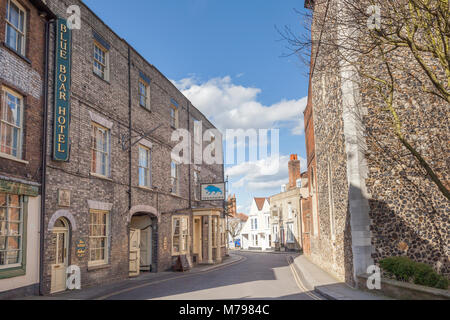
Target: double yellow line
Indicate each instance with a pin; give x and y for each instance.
(290, 261)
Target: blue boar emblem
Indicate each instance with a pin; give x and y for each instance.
(213, 190)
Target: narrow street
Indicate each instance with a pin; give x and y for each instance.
(263, 276)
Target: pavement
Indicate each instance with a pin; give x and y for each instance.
(316, 279)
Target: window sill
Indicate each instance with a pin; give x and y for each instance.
(12, 272)
(12, 158)
(107, 81)
(146, 188)
(99, 176)
(16, 53)
(148, 109)
(98, 267)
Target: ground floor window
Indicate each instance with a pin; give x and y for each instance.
(255, 240)
(11, 231)
(180, 235)
(290, 232)
(98, 237)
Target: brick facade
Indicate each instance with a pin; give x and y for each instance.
(22, 74)
(94, 99)
(373, 204)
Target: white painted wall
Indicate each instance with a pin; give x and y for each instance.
(263, 229)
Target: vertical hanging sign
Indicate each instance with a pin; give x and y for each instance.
(62, 91)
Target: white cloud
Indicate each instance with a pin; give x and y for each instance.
(232, 106)
(260, 175)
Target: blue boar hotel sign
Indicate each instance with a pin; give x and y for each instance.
(213, 191)
(62, 91)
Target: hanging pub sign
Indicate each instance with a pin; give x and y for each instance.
(62, 91)
(213, 191)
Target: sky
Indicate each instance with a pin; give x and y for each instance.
(227, 58)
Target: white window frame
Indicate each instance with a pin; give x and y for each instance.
(3, 107)
(148, 169)
(147, 94)
(174, 180)
(22, 33)
(290, 238)
(103, 74)
(183, 235)
(106, 237)
(19, 235)
(173, 116)
(108, 152)
(290, 213)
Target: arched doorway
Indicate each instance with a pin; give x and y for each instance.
(61, 236)
(142, 243)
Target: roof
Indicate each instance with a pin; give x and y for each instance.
(243, 217)
(40, 5)
(260, 202)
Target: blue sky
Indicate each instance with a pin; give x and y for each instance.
(225, 56)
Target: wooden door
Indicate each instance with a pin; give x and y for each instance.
(146, 249)
(58, 269)
(135, 253)
(307, 234)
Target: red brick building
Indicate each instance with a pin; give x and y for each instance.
(22, 110)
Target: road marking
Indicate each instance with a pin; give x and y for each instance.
(290, 261)
(168, 279)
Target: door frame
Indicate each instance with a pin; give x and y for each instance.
(198, 238)
(138, 254)
(55, 231)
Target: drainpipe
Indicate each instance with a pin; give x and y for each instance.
(44, 158)
(129, 128)
(190, 154)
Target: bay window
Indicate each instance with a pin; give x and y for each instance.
(11, 231)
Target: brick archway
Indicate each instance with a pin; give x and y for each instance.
(143, 209)
(62, 213)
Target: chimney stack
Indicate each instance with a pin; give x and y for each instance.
(294, 171)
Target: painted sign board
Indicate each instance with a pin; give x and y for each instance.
(213, 191)
(81, 248)
(62, 91)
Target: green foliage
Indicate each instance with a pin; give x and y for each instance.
(405, 269)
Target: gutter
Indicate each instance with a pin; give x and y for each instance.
(129, 128)
(190, 153)
(44, 157)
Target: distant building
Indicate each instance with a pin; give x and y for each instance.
(286, 209)
(256, 234)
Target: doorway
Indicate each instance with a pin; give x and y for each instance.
(61, 234)
(198, 239)
(141, 244)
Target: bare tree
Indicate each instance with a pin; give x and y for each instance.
(235, 226)
(399, 50)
